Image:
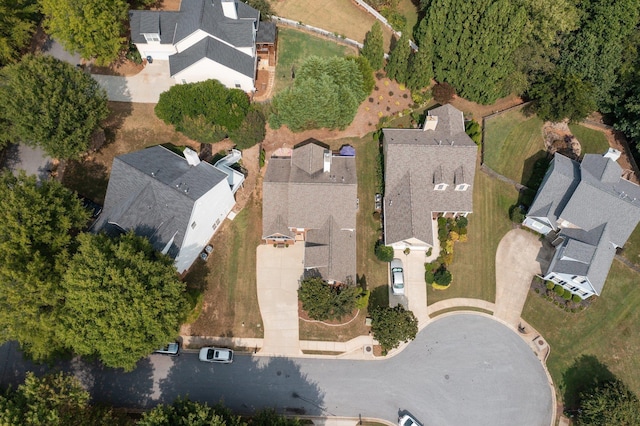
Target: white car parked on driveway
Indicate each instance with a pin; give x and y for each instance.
(397, 277)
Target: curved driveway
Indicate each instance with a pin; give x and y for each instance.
(462, 369)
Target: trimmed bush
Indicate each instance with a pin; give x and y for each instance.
(384, 253)
(558, 289)
(362, 301)
(567, 295)
(261, 159)
(576, 299)
(550, 285)
(442, 277)
(516, 214)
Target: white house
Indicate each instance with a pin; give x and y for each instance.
(205, 39)
(177, 202)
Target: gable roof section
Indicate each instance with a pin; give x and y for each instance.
(414, 160)
(216, 51)
(556, 189)
(152, 192)
(146, 21)
(330, 251)
(266, 32)
(585, 253)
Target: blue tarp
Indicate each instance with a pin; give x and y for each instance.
(348, 151)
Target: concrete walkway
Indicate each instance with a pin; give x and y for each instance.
(415, 288)
(278, 273)
(519, 257)
(144, 87)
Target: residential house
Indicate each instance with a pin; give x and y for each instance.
(429, 172)
(206, 39)
(310, 197)
(589, 210)
(177, 202)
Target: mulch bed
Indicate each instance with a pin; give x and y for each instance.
(539, 287)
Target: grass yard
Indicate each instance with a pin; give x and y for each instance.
(295, 46)
(592, 141)
(607, 330)
(512, 144)
(230, 296)
(410, 11)
(341, 17)
(631, 249)
(474, 262)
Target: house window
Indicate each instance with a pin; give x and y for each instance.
(441, 187)
(462, 187)
(184, 81)
(238, 86)
(152, 37)
(193, 225)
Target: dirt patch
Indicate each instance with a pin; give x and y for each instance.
(168, 5)
(121, 67)
(558, 138)
(477, 111)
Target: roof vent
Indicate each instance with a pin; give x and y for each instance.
(430, 122)
(191, 156)
(612, 153)
(327, 161)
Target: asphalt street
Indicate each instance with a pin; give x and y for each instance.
(461, 370)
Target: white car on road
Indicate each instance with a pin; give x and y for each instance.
(221, 355)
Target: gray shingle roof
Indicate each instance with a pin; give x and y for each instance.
(559, 182)
(143, 21)
(266, 33)
(297, 192)
(152, 192)
(585, 253)
(414, 160)
(216, 51)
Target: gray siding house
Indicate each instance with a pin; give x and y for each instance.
(590, 210)
(428, 172)
(310, 198)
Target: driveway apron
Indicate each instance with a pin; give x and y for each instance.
(278, 273)
(415, 288)
(144, 87)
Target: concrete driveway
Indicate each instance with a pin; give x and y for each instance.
(519, 257)
(144, 87)
(415, 297)
(278, 273)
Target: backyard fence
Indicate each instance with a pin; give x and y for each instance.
(334, 36)
(384, 21)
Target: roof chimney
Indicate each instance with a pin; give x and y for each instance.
(191, 156)
(430, 122)
(327, 161)
(230, 8)
(613, 154)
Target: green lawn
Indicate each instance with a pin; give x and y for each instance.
(295, 46)
(474, 262)
(512, 144)
(631, 249)
(592, 141)
(608, 331)
(410, 11)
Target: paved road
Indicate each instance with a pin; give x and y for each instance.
(462, 369)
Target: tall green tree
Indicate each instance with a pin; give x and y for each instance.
(52, 104)
(326, 93)
(184, 412)
(93, 28)
(37, 221)
(563, 96)
(122, 299)
(474, 43)
(53, 400)
(594, 52)
(323, 301)
(372, 47)
(392, 326)
(610, 403)
(266, 11)
(18, 20)
(420, 70)
(398, 65)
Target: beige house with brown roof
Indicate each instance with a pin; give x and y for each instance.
(428, 172)
(310, 198)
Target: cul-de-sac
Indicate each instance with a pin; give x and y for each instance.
(302, 212)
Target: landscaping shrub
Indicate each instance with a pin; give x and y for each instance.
(462, 222)
(567, 294)
(384, 253)
(550, 285)
(516, 214)
(442, 277)
(472, 128)
(559, 290)
(429, 251)
(322, 301)
(397, 20)
(261, 159)
(576, 299)
(362, 301)
(133, 54)
(443, 93)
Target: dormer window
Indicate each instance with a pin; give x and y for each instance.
(152, 37)
(462, 187)
(440, 187)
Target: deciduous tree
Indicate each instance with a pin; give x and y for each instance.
(122, 299)
(52, 104)
(372, 47)
(93, 28)
(392, 326)
(323, 301)
(37, 221)
(563, 95)
(610, 403)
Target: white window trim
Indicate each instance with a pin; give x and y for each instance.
(462, 187)
(440, 187)
(152, 38)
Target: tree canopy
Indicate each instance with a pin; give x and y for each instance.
(18, 20)
(37, 221)
(562, 95)
(52, 104)
(609, 403)
(323, 301)
(123, 299)
(93, 28)
(325, 93)
(392, 326)
(372, 47)
(398, 65)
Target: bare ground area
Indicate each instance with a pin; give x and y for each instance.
(477, 111)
